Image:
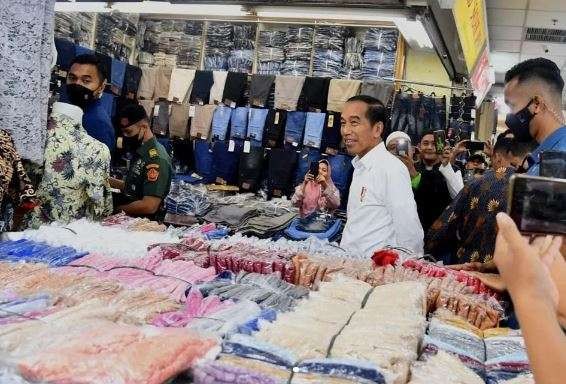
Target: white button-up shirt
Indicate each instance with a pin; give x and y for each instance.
(381, 206)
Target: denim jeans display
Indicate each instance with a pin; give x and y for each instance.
(251, 169)
(302, 229)
(295, 127)
(342, 171)
(331, 134)
(282, 163)
(313, 129)
(239, 125)
(220, 122)
(225, 163)
(204, 160)
(416, 114)
(275, 128)
(256, 124)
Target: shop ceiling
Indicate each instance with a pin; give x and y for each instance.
(335, 3)
(524, 29)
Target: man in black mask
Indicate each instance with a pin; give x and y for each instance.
(533, 92)
(149, 175)
(86, 81)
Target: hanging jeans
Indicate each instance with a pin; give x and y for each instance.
(403, 116)
(295, 127)
(274, 127)
(225, 163)
(313, 129)
(306, 157)
(427, 117)
(281, 168)
(204, 160)
(331, 135)
(256, 123)
(220, 122)
(239, 123)
(250, 170)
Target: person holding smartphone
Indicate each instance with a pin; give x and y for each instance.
(434, 180)
(317, 192)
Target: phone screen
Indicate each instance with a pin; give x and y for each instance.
(553, 164)
(402, 148)
(314, 169)
(475, 145)
(538, 204)
(439, 141)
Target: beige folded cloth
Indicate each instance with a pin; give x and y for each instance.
(179, 120)
(162, 82)
(202, 121)
(217, 90)
(147, 83)
(287, 91)
(340, 91)
(181, 84)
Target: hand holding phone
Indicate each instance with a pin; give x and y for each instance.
(313, 169)
(474, 146)
(402, 148)
(439, 141)
(538, 204)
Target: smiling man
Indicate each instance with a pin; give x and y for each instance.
(381, 206)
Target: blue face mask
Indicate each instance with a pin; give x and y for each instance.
(519, 124)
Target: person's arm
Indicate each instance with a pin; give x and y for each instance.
(146, 206)
(332, 195)
(454, 180)
(403, 209)
(525, 270)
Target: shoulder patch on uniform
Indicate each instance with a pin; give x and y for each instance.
(153, 152)
(152, 174)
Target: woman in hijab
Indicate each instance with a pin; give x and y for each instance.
(317, 192)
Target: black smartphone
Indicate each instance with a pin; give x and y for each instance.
(538, 204)
(474, 146)
(314, 169)
(439, 141)
(402, 148)
(553, 164)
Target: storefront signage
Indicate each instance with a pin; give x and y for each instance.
(482, 78)
(469, 16)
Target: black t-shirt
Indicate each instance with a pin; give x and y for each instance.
(432, 195)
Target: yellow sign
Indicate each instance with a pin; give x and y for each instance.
(470, 21)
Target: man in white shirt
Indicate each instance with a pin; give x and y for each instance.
(381, 206)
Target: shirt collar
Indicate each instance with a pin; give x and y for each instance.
(71, 111)
(548, 143)
(144, 147)
(371, 158)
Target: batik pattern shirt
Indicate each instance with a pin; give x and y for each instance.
(467, 229)
(76, 170)
(15, 185)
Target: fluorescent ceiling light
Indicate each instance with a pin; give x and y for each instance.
(328, 13)
(414, 32)
(155, 7)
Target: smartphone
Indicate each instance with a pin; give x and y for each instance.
(474, 146)
(538, 204)
(314, 169)
(553, 164)
(439, 141)
(402, 148)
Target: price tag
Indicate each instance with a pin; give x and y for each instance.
(246, 186)
(330, 121)
(200, 102)
(276, 118)
(155, 111)
(473, 113)
(247, 146)
(231, 146)
(233, 104)
(295, 144)
(192, 111)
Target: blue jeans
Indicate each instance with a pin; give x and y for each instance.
(256, 123)
(297, 232)
(220, 122)
(403, 116)
(313, 129)
(239, 123)
(224, 163)
(295, 127)
(306, 157)
(203, 160)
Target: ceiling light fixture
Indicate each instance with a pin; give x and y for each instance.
(155, 7)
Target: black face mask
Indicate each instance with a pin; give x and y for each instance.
(132, 143)
(79, 95)
(519, 124)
